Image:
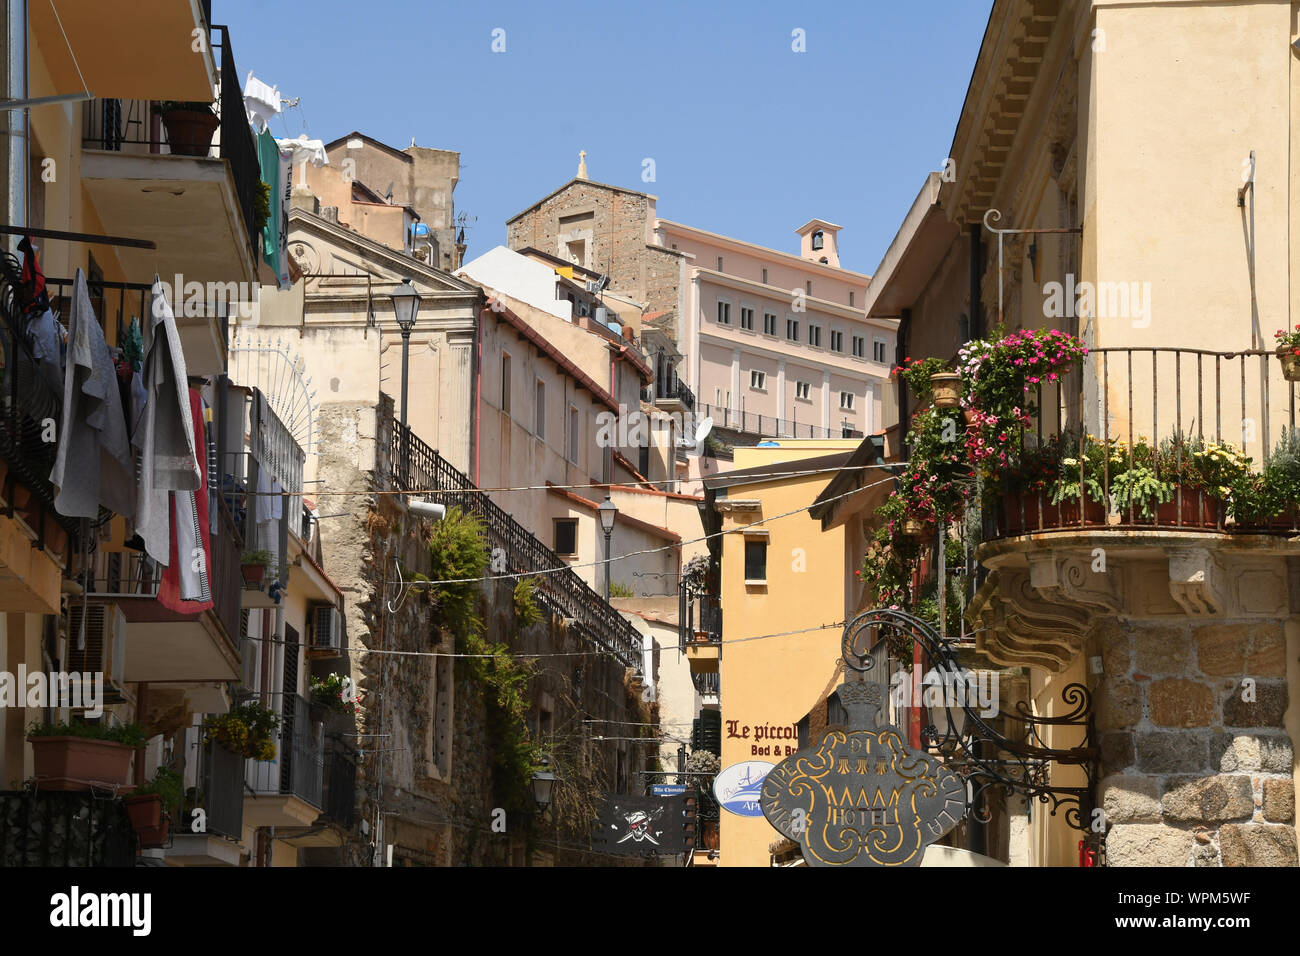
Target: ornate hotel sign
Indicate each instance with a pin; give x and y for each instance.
(860, 796)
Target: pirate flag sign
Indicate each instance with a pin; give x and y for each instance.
(860, 796)
(639, 825)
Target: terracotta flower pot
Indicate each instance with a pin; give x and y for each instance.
(969, 415)
(74, 763)
(913, 528)
(1290, 363)
(144, 810)
(1198, 510)
(945, 388)
(253, 574)
(1031, 511)
(189, 132)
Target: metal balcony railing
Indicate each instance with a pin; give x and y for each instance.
(56, 828)
(298, 767)
(699, 619)
(707, 685)
(769, 426)
(666, 385)
(132, 126)
(415, 467)
(218, 792)
(1144, 396)
(340, 787)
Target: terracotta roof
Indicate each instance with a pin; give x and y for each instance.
(626, 463)
(622, 517)
(655, 491)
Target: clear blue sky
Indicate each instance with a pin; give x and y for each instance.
(735, 121)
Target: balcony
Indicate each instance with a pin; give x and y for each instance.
(55, 828)
(162, 645)
(709, 687)
(289, 790)
(769, 426)
(219, 792)
(197, 209)
(1120, 415)
(141, 48)
(700, 630)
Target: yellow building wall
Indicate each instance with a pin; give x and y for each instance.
(775, 682)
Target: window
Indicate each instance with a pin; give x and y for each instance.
(803, 390)
(814, 335)
(817, 240)
(846, 401)
(809, 286)
(643, 460)
(719, 263)
(747, 319)
(756, 560)
(505, 381)
(573, 434)
(764, 277)
(859, 347)
(850, 299)
(539, 410)
(837, 340)
(878, 350)
(566, 535)
(769, 323)
(792, 329)
(757, 379)
(724, 313)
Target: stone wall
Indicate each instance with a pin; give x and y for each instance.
(1195, 771)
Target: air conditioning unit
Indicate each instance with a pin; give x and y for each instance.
(105, 645)
(326, 630)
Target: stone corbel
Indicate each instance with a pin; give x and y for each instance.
(1070, 580)
(1195, 580)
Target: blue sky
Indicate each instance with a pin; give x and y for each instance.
(734, 120)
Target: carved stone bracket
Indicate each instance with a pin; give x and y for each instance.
(1019, 627)
(1195, 581)
(1069, 579)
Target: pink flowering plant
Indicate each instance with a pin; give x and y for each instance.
(1288, 340)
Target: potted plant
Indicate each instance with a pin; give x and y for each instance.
(1204, 475)
(252, 566)
(189, 126)
(148, 805)
(74, 756)
(1269, 500)
(248, 731)
(1288, 352)
(1136, 486)
(334, 694)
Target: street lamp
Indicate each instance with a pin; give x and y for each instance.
(406, 306)
(543, 783)
(608, 512)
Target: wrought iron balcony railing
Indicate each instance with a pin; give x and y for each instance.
(340, 787)
(707, 685)
(219, 791)
(132, 126)
(64, 828)
(298, 767)
(1115, 413)
(769, 426)
(415, 467)
(699, 618)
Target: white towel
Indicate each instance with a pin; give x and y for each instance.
(165, 432)
(93, 429)
(304, 150)
(261, 101)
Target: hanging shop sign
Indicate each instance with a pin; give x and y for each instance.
(637, 826)
(860, 796)
(739, 786)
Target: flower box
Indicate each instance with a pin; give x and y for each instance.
(253, 575)
(1033, 511)
(1197, 510)
(151, 825)
(189, 131)
(75, 763)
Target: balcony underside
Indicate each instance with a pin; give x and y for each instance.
(201, 849)
(279, 810)
(162, 645)
(189, 207)
(29, 580)
(703, 658)
(136, 50)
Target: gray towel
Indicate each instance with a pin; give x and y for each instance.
(93, 429)
(165, 432)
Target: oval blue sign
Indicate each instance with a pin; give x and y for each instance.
(739, 787)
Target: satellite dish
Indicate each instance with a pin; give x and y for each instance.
(702, 430)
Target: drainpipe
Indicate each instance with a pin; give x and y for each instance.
(477, 372)
(14, 24)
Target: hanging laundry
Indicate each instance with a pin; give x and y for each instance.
(186, 586)
(48, 341)
(35, 298)
(93, 464)
(305, 150)
(261, 101)
(277, 172)
(164, 431)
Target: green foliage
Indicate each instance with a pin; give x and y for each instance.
(703, 761)
(458, 550)
(1259, 498)
(256, 557)
(527, 613)
(917, 375)
(163, 107)
(247, 730)
(132, 735)
(167, 783)
(1141, 489)
(619, 590)
(695, 575)
(261, 205)
(505, 680)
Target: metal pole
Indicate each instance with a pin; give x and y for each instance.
(607, 536)
(406, 432)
